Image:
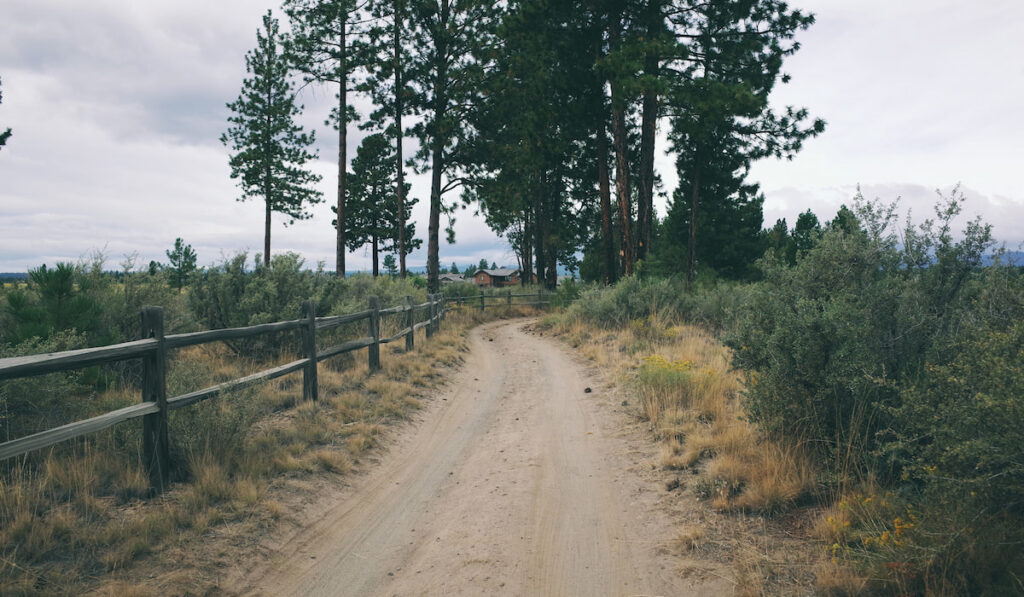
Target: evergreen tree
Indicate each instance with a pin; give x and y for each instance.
(322, 49)
(454, 268)
(845, 220)
(730, 222)
(5, 135)
(269, 148)
(373, 201)
(390, 266)
(721, 120)
(448, 39)
(387, 59)
(182, 263)
(778, 240)
(534, 169)
(806, 233)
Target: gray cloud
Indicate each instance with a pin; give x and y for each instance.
(117, 107)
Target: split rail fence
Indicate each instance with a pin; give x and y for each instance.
(501, 299)
(152, 349)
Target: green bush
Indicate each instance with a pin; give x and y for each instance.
(833, 338)
(230, 295)
(629, 300)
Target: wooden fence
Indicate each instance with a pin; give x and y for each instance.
(502, 299)
(153, 347)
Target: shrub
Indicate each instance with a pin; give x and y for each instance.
(833, 338)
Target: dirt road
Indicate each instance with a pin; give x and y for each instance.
(515, 481)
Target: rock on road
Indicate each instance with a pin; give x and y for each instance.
(512, 483)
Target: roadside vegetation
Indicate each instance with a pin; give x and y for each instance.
(82, 513)
(871, 387)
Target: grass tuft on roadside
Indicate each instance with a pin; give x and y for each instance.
(691, 397)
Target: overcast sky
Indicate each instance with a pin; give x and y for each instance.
(117, 107)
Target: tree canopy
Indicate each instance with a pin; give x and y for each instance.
(269, 150)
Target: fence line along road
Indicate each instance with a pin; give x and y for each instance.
(152, 349)
(506, 299)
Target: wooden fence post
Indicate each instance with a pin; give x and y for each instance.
(430, 315)
(481, 300)
(155, 449)
(539, 298)
(410, 322)
(310, 385)
(508, 298)
(374, 329)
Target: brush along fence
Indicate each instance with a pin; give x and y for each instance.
(152, 349)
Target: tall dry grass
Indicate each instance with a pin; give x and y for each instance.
(691, 397)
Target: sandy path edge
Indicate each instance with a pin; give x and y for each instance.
(514, 481)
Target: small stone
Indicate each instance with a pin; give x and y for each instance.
(587, 390)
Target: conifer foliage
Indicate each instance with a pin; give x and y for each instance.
(373, 201)
(5, 135)
(269, 150)
(321, 48)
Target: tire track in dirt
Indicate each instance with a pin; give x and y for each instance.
(513, 483)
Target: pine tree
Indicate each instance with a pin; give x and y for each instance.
(322, 49)
(721, 119)
(387, 59)
(533, 167)
(389, 265)
(182, 263)
(5, 135)
(269, 148)
(448, 37)
(731, 238)
(373, 201)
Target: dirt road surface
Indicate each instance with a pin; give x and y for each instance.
(515, 481)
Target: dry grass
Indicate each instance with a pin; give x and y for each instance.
(80, 518)
(690, 395)
(691, 398)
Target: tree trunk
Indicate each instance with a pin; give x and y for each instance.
(648, 130)
(400, 176)
(376, 270)
(607, 242)
(342, 148)
(437, 151)
(621, 144)
(266, 234)
(527, 243)
(691, 265)
(645, 193)
(538, 240)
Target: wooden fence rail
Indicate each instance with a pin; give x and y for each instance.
(505, 298)
(153, 347)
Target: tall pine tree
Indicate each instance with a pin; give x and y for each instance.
(322, 49)
(270, 150)
(387, 58)
(448, 37)
(721, 119)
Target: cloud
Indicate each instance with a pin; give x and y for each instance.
(117, 107)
